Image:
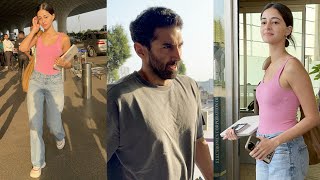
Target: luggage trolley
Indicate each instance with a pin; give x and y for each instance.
(81, 58)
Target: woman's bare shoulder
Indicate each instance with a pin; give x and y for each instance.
(64, 35)
(294, 66)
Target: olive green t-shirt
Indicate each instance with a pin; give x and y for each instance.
(152, 130)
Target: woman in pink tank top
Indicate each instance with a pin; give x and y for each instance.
(285, 85)
(46, 84)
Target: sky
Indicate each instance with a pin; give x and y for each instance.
(197, 32)
(90, 20)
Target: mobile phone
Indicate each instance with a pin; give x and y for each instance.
(251, 144)
(240, 127)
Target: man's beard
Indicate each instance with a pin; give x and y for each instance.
(162, 70)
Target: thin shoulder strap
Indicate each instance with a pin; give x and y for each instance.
(281, 69)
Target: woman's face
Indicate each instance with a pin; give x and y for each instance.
(273, 28)
(45, 19)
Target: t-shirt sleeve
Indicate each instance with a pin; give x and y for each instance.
(113, 132)
(200, 125)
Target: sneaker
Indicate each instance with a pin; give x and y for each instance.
(36, 171)
(60, 144)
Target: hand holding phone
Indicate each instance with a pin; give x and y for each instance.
(252, 142)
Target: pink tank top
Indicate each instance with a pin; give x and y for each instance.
(277, 106)
(46, 55)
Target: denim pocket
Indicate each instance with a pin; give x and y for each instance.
(304, 159)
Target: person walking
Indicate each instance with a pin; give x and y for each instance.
(23, 58)
(46, 84)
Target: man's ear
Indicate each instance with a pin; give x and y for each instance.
(140, 50)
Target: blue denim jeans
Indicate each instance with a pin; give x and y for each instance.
(290, 161)
(48, 89)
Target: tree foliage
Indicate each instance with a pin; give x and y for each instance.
(182, 68)
(218, 31)
(118, 50)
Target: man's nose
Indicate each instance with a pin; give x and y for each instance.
(177, 51)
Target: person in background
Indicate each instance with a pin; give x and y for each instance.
(2, 60)
(285, 85)
(23, 58)
(46, 84)
(8, 52)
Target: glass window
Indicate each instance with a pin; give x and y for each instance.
(255, 34)
(310, 27)
(297, 25)
(310, 41)
(310, 12)
(297, 38)
(255, 19)
(260, 49)
(249, 30)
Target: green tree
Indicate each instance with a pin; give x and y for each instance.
(118, 51)
(218, 31)
(182, 68)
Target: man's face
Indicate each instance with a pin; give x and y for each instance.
(6, 37)
(165, 53)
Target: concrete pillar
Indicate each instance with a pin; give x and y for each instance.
(316, 34)
(21, 27)
(62, 21)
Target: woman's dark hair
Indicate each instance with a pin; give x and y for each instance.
(45, 6)
(143, 27)
(287, 16)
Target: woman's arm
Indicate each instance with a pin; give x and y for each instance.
(65, 46)
(299, 80)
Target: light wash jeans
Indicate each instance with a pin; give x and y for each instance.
(290, 161)
(49, 88)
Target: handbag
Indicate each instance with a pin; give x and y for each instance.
(312, 140)
(27, 74)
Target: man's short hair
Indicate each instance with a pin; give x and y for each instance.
(143, 27)
(21, 32)
(5, 35)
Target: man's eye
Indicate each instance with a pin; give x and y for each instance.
(263, 22)
(166, 46)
